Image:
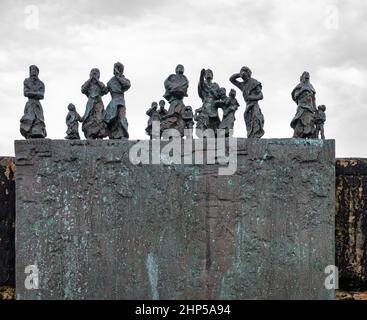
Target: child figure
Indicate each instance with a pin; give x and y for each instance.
(320, 120)
(188, 117)
(202, 121)
(153, 115)
(162, 111)
(72, 121)
(230, 106)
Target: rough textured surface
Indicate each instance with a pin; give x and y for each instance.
(7, 222)
(350, 295)
(7, 293)
(99, 227)
(351, 223)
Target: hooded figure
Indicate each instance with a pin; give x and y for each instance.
(303, 122)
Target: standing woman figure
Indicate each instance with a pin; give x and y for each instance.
(303, 122)
(94, 126)
(252, 93)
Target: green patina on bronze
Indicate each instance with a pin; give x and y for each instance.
(100, 227)
(351, 231)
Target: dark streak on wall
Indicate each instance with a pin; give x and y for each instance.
(7, 222)
(351, 223)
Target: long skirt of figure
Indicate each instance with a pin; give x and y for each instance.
(118, 127)
(73, 131)
(254, 120)
(304, 124)
(228, 123)
(94, 126)
(214, 123)
(32, 124)
(174, 122)
(174, 119)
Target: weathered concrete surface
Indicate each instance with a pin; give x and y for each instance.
(351, 223)
(7, 222)
(99, 227)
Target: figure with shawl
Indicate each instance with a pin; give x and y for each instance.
(303, 123)
(176, 86)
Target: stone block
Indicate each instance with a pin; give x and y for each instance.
(99, 227)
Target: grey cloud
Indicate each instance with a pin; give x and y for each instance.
(277, 39)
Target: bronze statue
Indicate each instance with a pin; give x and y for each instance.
(230, 106)
(252, 93)
(72, 121)
(94, 126)
(320, 121)
(202, 121)
(303, 122)
(162, 111)
(153, 115)
(208, 92)
(115, 116)
(176, 86)
(188, 117)
(32, 124)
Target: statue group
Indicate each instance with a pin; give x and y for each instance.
(98, 122)
(309, 120)
(213, 98)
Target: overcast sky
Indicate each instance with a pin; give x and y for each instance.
(277, 39)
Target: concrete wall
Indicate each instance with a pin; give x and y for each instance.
(351, 223)
(7, 222)
(99, 227)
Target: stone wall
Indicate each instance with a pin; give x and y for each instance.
(99, 227)
(351, 223)
(7, 222)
